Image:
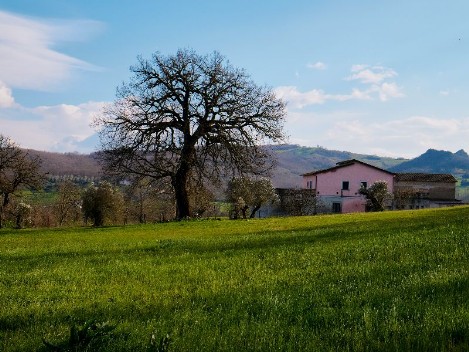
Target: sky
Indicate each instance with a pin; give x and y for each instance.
(387, 78)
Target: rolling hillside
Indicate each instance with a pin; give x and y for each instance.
(292, 162)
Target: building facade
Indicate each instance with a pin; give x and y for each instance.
(337, 188)
(420, 190)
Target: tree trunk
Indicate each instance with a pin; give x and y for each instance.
(182, 197)
(254, 210)
(4, 202)
(180, 180)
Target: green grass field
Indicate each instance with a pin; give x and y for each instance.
(393, 281)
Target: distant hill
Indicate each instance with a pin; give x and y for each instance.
(295, 160)
(436, 161)
(61, 164)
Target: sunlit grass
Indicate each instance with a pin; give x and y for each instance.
(364, 282)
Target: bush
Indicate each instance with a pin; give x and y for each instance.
(102, 203)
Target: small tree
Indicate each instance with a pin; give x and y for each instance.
(102, 203)
(148, 200)
(376, 195)
(68, 202)
(18, 170)
(404, 198)
(298, 202)
(22, 213)
(252, 193)
(200, 198)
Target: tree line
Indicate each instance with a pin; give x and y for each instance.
(31, 198)
(180, 123)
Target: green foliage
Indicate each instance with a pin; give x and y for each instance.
(68, 202)
(389, 281)
(376, 195)
(245, 193)
(22, 212)
(101, 203)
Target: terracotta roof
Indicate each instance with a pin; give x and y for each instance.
(422, 177)
(344, 163)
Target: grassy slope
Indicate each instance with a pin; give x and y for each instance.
(389, 281)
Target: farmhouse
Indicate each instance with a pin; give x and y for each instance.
(420, 190)
(337, 188)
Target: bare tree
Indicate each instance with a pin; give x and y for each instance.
(188, 115)
(18, 170)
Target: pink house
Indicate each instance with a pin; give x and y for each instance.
(337, 188)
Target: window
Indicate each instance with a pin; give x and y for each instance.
(345, 185)
(336, 207)
(364, 184)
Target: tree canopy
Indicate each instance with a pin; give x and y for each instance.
(188, 116)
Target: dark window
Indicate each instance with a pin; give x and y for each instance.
(345, 185)
(364, 184)
(336, 207)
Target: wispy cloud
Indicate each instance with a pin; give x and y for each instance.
(370, 74)
(29, 60)
(317, 65)
(374, 78)
(387, 91)
(377, 77)
(299, 100)
(57, 128)
(27, 57)
(407, 137)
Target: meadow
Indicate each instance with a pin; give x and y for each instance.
(392, 281)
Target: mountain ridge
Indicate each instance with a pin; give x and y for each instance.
(436, 161)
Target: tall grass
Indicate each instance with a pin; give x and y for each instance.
(394, 281)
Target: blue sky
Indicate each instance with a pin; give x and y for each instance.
(377, 77)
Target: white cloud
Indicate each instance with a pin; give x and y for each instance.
(387, 91)
(299, 100)
(370, 133)
(58, 128)
(27, 59)
(317, 65)
(6, 98)
(370, 75)
(444, 93)
(375, 77)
